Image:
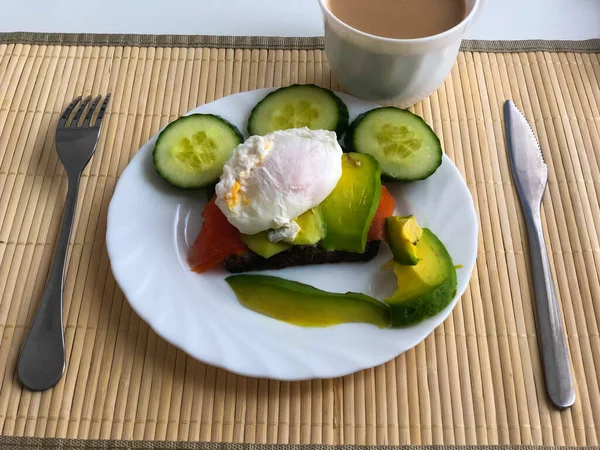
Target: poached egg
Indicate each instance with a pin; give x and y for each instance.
(270, 180)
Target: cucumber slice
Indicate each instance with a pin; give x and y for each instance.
(297, 106)
(191, 151)
(404, 145)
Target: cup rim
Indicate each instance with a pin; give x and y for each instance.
(425, 39)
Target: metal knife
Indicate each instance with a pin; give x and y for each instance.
(531, 177)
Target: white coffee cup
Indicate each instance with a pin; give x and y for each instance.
(401, 70)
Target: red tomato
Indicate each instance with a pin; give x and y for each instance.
(217, 240)
(385, 209)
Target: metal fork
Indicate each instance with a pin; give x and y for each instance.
(42, 360)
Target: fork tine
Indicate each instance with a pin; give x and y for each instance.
(90, 113)
(67, 113)
(80, 110)
(102, 109)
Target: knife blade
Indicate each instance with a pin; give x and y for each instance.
(530, 174)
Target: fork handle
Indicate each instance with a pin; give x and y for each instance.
(555, 357)
(42, 360)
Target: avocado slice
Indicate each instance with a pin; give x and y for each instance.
(403, 234)
(304, 305)
(312, 227)
(259, 243)
(426, 288)
(349, 210)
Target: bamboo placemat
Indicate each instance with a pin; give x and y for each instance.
(476, 380)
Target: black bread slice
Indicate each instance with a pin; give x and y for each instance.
(297, 255)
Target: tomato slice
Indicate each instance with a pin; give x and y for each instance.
(385, 209)
(217, 240)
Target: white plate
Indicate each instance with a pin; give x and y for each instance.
(151, 226)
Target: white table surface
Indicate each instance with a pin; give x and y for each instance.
(499, 19)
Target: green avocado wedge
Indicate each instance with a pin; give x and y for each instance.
(426, 288)
(259, 243)
(349, 210)
(300, 304)
(403, 234)
(312, 227)
(312, 230)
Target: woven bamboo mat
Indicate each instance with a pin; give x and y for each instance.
(476, 380)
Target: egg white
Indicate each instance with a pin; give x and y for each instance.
(270, 180)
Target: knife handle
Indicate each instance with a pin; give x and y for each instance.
(555, 356)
